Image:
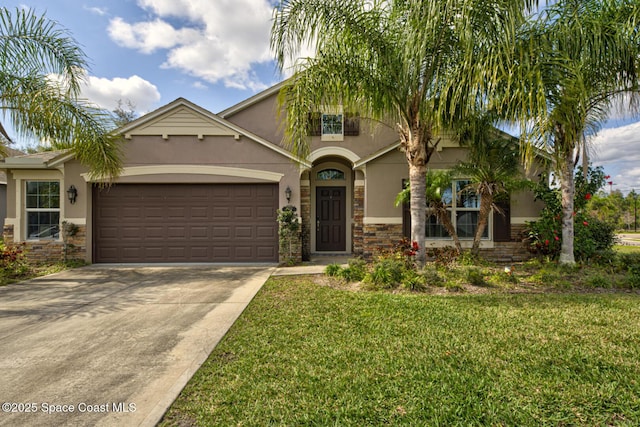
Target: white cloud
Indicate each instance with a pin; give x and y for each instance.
(618, 151)
(216, 41)
(150, 36)
(106, 92)
(101, 11)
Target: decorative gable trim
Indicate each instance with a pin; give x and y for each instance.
(150, 121)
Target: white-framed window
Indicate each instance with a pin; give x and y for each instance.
(331, 123)
(464, 208)
(332, 126)
(42, 206)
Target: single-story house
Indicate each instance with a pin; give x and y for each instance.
(203, 187)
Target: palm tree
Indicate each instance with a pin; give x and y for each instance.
(492, 166)
(569, 67)
(41, 69)
(418, 65)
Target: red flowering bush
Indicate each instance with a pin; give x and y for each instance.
(591, 236)
(12, 261)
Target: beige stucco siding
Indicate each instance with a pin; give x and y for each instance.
(383, 183)
(11, 199)
(523, 208)
(384, 180)
(219, 150)
(262, 120)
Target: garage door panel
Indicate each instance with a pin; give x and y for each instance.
(243, 212)
(221, 232)
(265, 232)
(266, 252)
(221, 212)
(198, 232)
(243, 232)
(185, 223)
(134, 213)
(198, 212)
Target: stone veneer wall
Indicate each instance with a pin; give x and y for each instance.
(506, 252)
(39, 251)
(378, 237)
(384, 236)
(357, 230)
(293, 258)
(513, 251)
(305, 216)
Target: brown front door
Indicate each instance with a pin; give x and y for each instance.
(330, 219)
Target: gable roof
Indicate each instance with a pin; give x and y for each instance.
(183, 117)
(41, 160)
(252, 100)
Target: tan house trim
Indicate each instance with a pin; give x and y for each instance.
(194, 170)
(523, 219)
(382, 220)
(333, 151)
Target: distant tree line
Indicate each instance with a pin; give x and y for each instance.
(615, 208)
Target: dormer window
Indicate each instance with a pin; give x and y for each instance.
(333, 125)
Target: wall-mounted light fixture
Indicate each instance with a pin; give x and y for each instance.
(287, 194)
(72, 194)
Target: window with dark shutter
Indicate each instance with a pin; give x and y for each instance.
(351, 124)
(315, 124)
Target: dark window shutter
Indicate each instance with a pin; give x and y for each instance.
(351, 124)
(315, 124)
(502, 223)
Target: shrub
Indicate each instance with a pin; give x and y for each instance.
(332, 270)
(597, 281)
(288, 230)
(12, 261)
(630, 263)
(475, 277)
(625, 261)
(355, 271)
(432, 277)
(414, 281)
(591, 235)
(387, 273)
(634, 277)
(443, 256)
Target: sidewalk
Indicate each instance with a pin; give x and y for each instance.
(316, 265)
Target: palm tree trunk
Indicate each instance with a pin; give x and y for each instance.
(415, 140)
(483, 218)
(418, 203)
(567, 187)
(445, 218)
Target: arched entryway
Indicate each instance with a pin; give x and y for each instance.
(331, 205)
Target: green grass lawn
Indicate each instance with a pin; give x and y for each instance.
(304, 353)
(626, 249)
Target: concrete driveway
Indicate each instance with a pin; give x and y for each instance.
(112, 345)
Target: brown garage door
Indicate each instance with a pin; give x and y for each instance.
(185, 223)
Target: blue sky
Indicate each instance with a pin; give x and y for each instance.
(215, 53)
